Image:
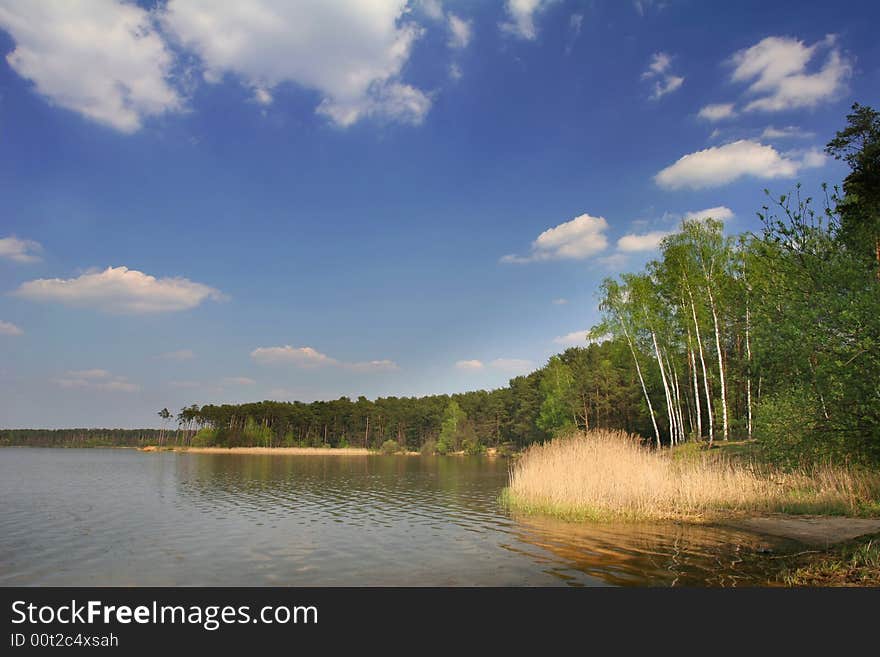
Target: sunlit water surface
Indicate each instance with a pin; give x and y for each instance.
(123, 517)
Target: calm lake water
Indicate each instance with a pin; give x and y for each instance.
(123, 517)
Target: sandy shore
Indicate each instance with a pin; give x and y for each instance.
(289, 451)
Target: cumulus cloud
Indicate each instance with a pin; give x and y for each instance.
(350, 52)
(180, 354)
(717, 112)
(469, 365)
(103, 59)
(776, 69)
(460, 32)
(95, 379)
(511, 365)
(634, 242)
(573, 339)
(8, 328)
(19, 250)
(120, 290)
(720, 165)
(522, 17)
(237, 381)
(579, 238)
(720, 212)
(307, 357)
(660, 71)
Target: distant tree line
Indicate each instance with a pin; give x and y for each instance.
(79, 437)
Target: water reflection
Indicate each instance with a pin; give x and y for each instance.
(128, 518)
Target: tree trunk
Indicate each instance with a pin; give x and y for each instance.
(726, 429)
(644, 388)
(669, 410)
(748, 371)
(705, 370)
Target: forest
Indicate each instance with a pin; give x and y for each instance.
(770, 336)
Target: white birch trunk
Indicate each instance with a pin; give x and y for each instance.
(644, 388)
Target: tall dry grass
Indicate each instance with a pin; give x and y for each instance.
(610, 475)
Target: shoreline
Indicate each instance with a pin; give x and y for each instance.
(265, 451)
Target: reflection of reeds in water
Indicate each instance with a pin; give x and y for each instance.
(657, 553)
(609, 474)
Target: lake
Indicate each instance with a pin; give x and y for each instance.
(127, 518)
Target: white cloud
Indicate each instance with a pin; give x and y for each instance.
(469, 365)
(351, 52)
(511, 365)
(8, 328)
(103, 59)
(717, 112)
(720, 212)
(185, 384)
(432, 8)
(720, 165)
(237, 381)
(299, 356)
(373, 366)
(811, 159)
(560, 301)
(522, 17)
(788, 132)
(645, 242)
(19, 250)
(660, 63)
(120, 290)
(307, 357)
(95, 380)
(659, 70)
(579, 238)
(614, 261)
(460, 32)
(776, 68)
(573, 339)
(180, 354)
(89, 374)
(455, 71)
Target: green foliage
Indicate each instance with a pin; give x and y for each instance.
(451, 428)
(428, 448)
(390, 447)
(257, 434)
(557, 388)
(205, 437)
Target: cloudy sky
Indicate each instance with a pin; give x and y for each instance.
(205, 201)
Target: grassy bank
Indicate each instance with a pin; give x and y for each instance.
(607, 475)
(854, 563)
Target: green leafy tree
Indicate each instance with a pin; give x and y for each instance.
(557, 390)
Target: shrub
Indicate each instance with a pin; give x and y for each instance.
(429, 448)
(205, 437)
(390, 447)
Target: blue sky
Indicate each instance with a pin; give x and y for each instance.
(307, 200)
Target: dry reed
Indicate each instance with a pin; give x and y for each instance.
(610, 475)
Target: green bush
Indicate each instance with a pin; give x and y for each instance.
(429, 447)
(390, 447)
(785, 426)
(206, 437)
